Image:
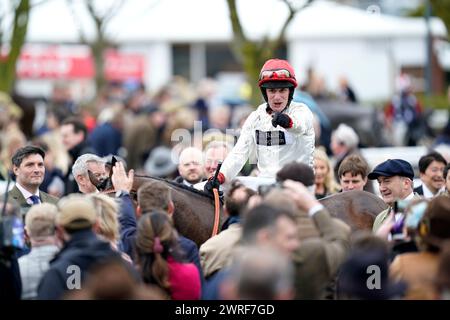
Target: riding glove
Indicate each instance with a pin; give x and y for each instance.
(214, 183)
(281, 119)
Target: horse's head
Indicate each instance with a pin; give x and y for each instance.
(102, 184)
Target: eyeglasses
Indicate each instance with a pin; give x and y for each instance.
(270, 74)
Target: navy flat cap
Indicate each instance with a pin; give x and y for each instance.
(392, 167)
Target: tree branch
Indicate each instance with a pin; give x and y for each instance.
(83, 38)
(238, 33)
(113, 10)
(292, 12)
(97, 19)
(8, 67)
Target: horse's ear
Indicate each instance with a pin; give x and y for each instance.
(113, 163)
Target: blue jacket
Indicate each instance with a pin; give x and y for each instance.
(82, 251)
(211, 290)
(128, 226)
(105, 139)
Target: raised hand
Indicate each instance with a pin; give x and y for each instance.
(120, 179)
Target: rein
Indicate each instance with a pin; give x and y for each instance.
(216, 203)
(216, 212)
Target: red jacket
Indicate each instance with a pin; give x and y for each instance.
(184, 280)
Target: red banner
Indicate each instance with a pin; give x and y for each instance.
(75, 62)
(120, 66)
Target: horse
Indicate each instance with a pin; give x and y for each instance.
(356, 208)
(194, 209)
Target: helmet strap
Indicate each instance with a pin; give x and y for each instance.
(291, 96)
(264, 93)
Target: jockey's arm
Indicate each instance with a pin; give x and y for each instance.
(303, 124)
(302, 119)
(236, 159)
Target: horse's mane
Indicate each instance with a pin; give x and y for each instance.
(179, 185)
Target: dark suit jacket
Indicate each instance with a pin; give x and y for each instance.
(419, 190)
(15, 195)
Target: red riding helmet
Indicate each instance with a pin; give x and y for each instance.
(277, 73)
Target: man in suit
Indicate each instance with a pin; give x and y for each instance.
(431, 168)
(28, 167)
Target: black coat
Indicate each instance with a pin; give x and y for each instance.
(10, 282)
(419, 190)
(82, 251)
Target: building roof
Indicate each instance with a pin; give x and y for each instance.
(141, 21)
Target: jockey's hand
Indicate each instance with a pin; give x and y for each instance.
(282, 120)
(214, 183)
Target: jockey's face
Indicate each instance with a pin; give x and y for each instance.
(277, 98)
(212, 158)
(350, 182)
(433, 177)
(394, 188)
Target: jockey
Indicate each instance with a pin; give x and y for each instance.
(277, 132)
